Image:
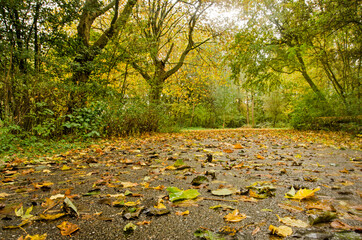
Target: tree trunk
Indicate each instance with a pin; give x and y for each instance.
(252, 110)
(192, 114)
(247, 110)
(308, 78)
(36, 43)
(86, 52)
(155, 91)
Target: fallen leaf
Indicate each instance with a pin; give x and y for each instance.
(238, 146)
(51, 217)
(255, 231)
(23, 223)
(65, 168)
(321, 218)
(34, 237)
(187, 212)
(160, 206)
(4, 195)
(42, 185)
(235, 216)
(223, 192)
(228, 150)
(224, 207)
(143, 223)
(67, 228)
(226, 230)
(176, 194)
(159, 187)
(20, 212)
(57, 196)
(302, 193)
(198, 180)
(341, 225)
(282, 231)
(128, 184)
(321, 206)
(132, 204)
(208, 235)
(256, 195)
(247, 199)
(69, 207)
(293, 222)
(291, 208)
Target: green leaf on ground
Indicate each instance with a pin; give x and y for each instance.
(176, 194)
(20, 213)
(223, 192)
(208, 235)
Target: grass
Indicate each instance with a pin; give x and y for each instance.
(19, 146)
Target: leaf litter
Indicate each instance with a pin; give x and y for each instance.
(109, 184)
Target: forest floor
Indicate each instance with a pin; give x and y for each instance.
(217, 184)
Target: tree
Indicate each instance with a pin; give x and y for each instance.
(88, 49)
(161, 25)
(285, 37)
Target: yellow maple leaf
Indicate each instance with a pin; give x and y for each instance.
(235, 216)
(238, 146)
(187, 212)
(65, 168)
(160, 206)
(282, 231)
(67, 228)
(159, 187)
(303, 193)
(34, 237)
(132, 204)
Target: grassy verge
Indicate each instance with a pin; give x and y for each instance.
(19, 146)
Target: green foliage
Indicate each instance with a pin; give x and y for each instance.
(306, 109)
(44, 120)
(87, 121)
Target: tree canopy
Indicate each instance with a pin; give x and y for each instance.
(96, 68)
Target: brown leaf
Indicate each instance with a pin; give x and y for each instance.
(321, 206)
(228, 150)
(291, 208)
(340, 225)
(143, 223)
(255, 231)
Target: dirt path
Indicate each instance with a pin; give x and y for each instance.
(96, 192)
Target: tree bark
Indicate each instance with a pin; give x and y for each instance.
(309, 80)
(86, 52)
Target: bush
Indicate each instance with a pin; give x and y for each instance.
(87, 121)
(306, 110)
(136, 117)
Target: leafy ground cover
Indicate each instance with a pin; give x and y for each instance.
(214, 184)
